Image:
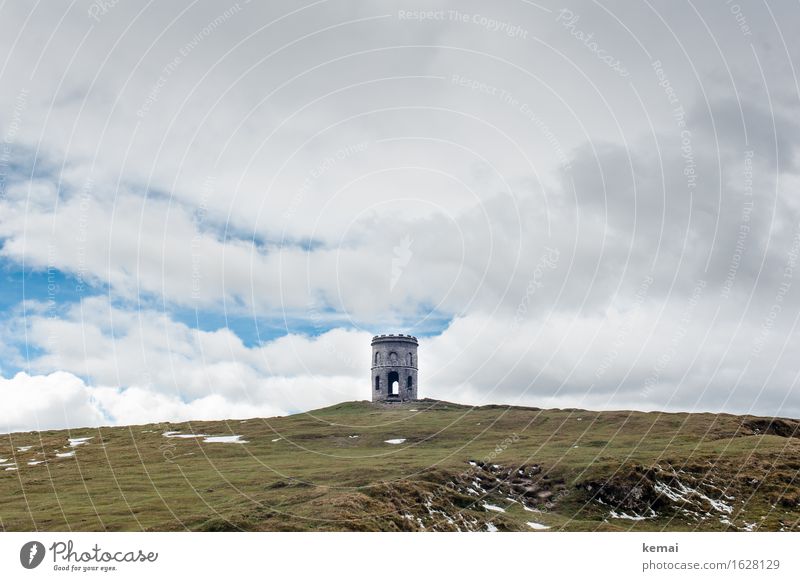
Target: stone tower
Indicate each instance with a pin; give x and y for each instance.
(394, 368)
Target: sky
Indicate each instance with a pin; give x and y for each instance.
(207, 209)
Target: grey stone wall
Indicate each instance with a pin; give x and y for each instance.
(394, 357)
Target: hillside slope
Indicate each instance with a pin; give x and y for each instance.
(423, 466)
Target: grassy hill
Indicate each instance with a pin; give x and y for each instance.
(456, 468)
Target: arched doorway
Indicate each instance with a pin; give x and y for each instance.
(394, 384)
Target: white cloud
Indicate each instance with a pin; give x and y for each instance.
(685, 355)
(43, 402)
(146, 367)
(649, 356)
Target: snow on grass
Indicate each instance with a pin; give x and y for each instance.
(491, 528)
(717, 504)
(634, 516)
(24, 448)
(352, 436)
(3, 460)
(277, 439)
(66, 454)
(493, 507)
(10, 469)
(9, 464)
(537, 526)
(75, 442)
(179, 435)
(395, 441)
(225, 440)
(627, 516)
(35, 462)
(683, 493)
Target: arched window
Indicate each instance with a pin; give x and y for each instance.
(377, 383)
(377, 359)
(394, 384)
(409, 383)
(410, 359)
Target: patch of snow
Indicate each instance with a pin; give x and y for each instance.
(225, 440)
(9, 464)
(683, 493)
(633, 516)
(490, 528)
(352, 436)
(668, 491)
(717, 504)
(471, 463)
(3, 460)
(75, 442)
(493, 507)
(413, 410)
(179, 435)
(9, 469)
(537, 526)
(66, 455)
(395, 441)
(24, 448)
(276, 439)
(35, 462)
(529, 509)
(627, 516)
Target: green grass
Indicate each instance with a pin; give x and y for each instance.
(570, 468)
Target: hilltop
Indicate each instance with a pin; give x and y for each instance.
(425, 465)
